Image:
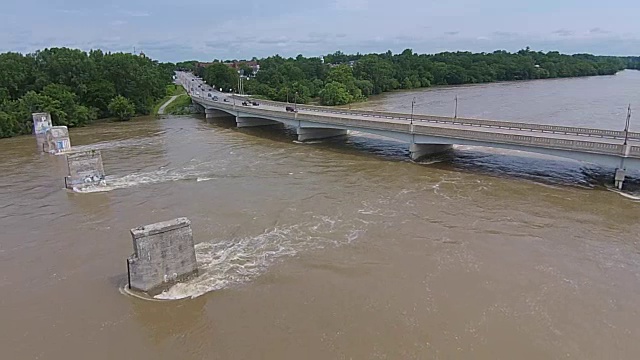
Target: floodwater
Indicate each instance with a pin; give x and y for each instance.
(340, 249)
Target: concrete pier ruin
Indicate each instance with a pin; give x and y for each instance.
(41, 123)
(57, 140)
(85, 169)
(164, 253)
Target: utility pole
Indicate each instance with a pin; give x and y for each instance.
(295, 102)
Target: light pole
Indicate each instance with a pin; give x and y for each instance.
(626, 127)
(413, 102)
(455, 114)
(295, 102)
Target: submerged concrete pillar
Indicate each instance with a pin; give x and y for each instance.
(41, 123)
(164, 253)
(421, 150)
(57, 140)
(305, 134)
(619, 178)
(242, 121)
(85, 169)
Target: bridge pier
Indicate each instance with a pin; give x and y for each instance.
(305, 134)
(215, 113)
(419, 151)
(242, 122)
(619, 178)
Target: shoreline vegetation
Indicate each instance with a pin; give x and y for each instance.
(78, 87)
(341, 79)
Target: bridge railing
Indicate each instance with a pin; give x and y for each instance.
(527, 140)
(569, 130)
(468, 134)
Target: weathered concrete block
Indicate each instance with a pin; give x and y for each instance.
(85, 169)
(163, 253)
(41, 123)
(57, 140)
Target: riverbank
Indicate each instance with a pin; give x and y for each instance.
(171, 91)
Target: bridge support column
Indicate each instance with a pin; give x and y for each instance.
(305, 134)
(215, 113)
(619, 178)
(242, 122)
(419, 151)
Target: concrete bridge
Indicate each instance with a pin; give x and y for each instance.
(428, 135)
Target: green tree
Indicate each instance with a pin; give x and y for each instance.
(222, 76)
(121, 108)
(335, 93)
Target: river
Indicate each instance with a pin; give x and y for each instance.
(339, 249)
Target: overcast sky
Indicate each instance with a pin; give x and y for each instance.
(171, 30)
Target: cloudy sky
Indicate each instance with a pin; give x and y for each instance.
(171, 30)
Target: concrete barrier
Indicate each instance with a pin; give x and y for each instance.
(85, 169)
(57, 140)
(164, 253)
(41, 123)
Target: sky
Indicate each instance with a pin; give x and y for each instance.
(170, 30)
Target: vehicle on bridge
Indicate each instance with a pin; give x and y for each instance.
(226, 100)
(290, 109)
(244, 103)
(255, 104)
(215, 98)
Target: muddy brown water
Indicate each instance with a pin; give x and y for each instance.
(340, 249)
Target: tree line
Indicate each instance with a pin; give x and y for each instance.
(76, 87)
(339, 78)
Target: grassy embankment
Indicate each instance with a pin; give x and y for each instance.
(172, 90)
(179, 106)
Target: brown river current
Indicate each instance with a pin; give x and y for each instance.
(338, 249)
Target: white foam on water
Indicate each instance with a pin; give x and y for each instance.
(624, 194)
(154, 177)
(225, 263)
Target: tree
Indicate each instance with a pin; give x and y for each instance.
(221, 76)
(335, 93)
(121, 108)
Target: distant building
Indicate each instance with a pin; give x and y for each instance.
(255, 67)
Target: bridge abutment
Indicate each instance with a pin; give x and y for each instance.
(242, 122)
(305, 134)
(419, 151)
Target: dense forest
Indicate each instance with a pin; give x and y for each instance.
(77, 87)
(339, 78)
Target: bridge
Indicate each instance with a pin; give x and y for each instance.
(427, 135)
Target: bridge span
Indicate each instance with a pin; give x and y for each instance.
(427, 135)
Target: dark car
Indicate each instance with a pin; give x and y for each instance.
(215, 98)
(244, 103)
(290, 109)
(255, 104)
